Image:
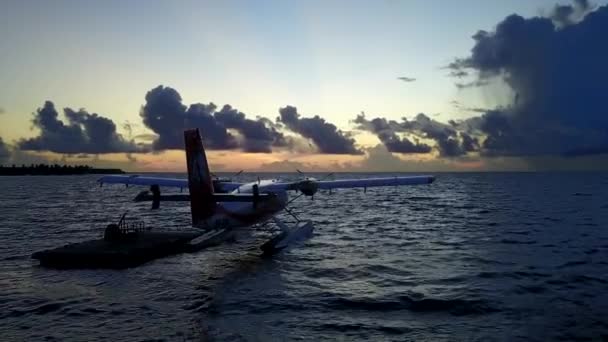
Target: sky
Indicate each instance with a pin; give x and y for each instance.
(297, 76)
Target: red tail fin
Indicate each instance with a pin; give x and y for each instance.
(200, 183)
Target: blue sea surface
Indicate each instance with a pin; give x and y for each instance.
(472, 257)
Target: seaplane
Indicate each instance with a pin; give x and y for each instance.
(221, 206)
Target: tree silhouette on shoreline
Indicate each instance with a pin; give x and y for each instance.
(54, 169)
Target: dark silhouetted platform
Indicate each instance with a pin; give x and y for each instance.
(130, 250)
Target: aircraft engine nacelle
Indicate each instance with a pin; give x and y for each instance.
(308, 187)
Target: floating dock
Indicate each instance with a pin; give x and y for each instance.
(129, 244)
(132, 250)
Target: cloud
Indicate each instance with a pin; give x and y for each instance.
(5, 153)
(444, 135)
(11, 155)
(146, 137)
(564, 15)
(556, 67)
(84, 133)
(469, 143)
(459, 106)
(166, 116)
(326, 136)
(472, 84)
(2, 110)
(386, 131)
(449, 141)
(287, 166)
(128, 127)
(259, 135)
(406, 79)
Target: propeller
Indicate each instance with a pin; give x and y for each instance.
(308, 186)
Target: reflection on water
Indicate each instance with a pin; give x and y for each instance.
(471, 257)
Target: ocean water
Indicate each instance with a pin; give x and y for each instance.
(472, 257)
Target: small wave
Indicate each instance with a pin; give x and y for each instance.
(576, 279)
(534, 289)
(512, 275)
(587, 279)
(350, 327)
(573, 263)
(524, 274)
(457, 307)
(365, 304)
(466, 207)
(490, 275)
(478, 259)
(519, 232)
(198, 305)
(449, 243)
(421, 198)
(15, 257)
(89, 311)
(337, 273)
(39, 310)
(559, 281)
(517, 242)
(384, 269)
(588, 224)
(439, 205)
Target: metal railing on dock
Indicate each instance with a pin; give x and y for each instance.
(127, 226)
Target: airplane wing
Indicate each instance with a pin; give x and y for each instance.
(139, 180)
(349, 183)
(372, 182)
(162, 181)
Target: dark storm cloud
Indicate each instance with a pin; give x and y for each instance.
(449, 141)
(386, 130)
(401, 145)
(563, 15)
(258, 136)
(444, 135)
(469, 143)
(84, 133)
(406, 79)
(325, 135)
(5, 153)
(202, 116)
(557, 69)
(166, 116)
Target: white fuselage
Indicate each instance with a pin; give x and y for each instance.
(243, 214)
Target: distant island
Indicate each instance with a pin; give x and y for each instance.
(56, 169)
